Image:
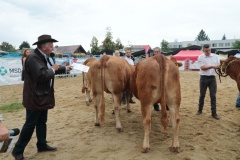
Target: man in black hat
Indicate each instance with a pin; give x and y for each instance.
(38, 95)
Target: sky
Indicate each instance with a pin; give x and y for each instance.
(136, 22)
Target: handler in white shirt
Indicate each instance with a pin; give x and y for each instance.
(208, 62)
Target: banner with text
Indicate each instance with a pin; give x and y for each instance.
(10, 71)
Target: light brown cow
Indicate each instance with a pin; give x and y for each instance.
(230, 67)
(86, 88)
(156, 80)
(110, 74)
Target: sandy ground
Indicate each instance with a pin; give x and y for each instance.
(71, 126)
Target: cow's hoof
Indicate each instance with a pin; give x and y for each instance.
(129, 111)
(175, 149)
(145, 150)
(113, 112)
(90, 100)
(97, 124)
(119, 129)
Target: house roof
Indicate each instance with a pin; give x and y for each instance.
(69, 49)
(229, 53)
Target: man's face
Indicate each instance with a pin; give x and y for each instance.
(47, 48)
(207, 51)
(117, 54)
(128, 53)
(156, 51)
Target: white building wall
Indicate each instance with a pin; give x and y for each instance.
(215, 44)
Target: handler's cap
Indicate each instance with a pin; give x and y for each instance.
(44, 38)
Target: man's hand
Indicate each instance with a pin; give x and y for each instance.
(69, 68)
(4, 133)
(55, 66)
(215, 67)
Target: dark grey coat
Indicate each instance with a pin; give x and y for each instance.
(38, 90)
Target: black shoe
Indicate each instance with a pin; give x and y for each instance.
(215, 116)
(131, 101)
(199, 112)
(156, 107)
(47, 148)
(18, 156)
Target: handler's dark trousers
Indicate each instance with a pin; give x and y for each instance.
(33, 118)
(208, 82)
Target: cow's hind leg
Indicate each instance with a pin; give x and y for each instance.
(175, 118)
(97, 106)
(117, 102)
(146, 114)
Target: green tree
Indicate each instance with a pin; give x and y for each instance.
(94, 45)
(24, 44)
(5, 46)
(202, 36)
(107, 42)
(164, 46)
(118, 44)
(224, 37)
(236, 45)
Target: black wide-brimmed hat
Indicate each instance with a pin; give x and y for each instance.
(44, 38)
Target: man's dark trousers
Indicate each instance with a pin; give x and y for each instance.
(34, 119)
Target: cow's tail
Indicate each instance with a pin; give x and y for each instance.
(103, 62)
(161, 59)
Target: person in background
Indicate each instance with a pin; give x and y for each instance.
(208, 62)
(26, 52)
(4, 133)
(117, 53)
(38, 95)
(130, 61)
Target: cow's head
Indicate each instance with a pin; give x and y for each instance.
(222, 71)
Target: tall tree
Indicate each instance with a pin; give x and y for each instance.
(107, 42)
(118, 44)
(164, 46)
(202, 36)
(5, 46)
(94, 45)
(24, 44)
(224, 37)
(236, 45)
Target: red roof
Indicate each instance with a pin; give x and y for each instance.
(188, 54)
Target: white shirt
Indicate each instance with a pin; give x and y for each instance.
(130, 61)
(211, 60)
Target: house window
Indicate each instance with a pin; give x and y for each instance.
(227, 44)
(220, 44)
(180, 46)
(214, 45)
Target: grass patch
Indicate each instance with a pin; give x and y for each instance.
(12, 107)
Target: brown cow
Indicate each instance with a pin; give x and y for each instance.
(231, 67)
(156, 80)
(111, 74)
(86, 88)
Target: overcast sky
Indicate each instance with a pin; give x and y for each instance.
(138, 22)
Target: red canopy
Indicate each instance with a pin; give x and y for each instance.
(188, 54)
